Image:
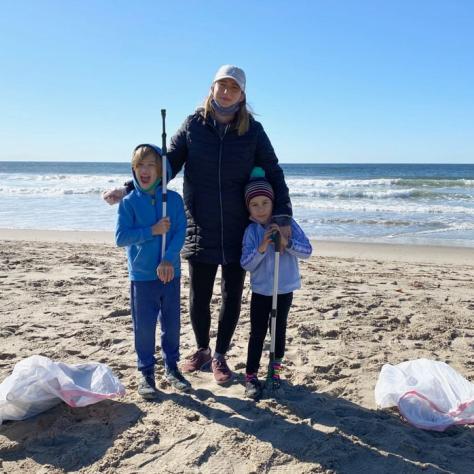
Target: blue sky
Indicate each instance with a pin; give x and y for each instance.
(331, 81)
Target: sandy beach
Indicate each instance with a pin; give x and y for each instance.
(65, 296)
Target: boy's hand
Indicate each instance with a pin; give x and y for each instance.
(165, 271)
(161, 227)
(267, 238)
(113, 196)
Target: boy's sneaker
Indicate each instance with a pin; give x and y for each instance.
(222, 373)
(146, 386)
(253, 387)
(175, 378)
(197, 361)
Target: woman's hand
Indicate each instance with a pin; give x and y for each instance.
(113, 196)
(165, 271)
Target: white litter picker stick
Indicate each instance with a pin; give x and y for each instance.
(163, 178)
(273, 314)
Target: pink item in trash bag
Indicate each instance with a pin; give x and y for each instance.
(37, 384)
(429, 394)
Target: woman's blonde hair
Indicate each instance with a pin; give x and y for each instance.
(142, 152)
(243, 114)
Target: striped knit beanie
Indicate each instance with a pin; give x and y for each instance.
(258, 186)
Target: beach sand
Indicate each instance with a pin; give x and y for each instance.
(65, 296)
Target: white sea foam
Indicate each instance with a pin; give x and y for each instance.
(60, 185)
(383, 207)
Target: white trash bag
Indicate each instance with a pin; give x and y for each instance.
(37, 384)
(429, 394)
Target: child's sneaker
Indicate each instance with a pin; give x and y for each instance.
(222, 373)
(146, 386)
(175, 378)
(253, 388)
(197, 361)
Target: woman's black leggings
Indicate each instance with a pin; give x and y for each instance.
(201, 283)
(260, 308)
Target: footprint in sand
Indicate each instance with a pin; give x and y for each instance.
(9, 330)
(7, 356)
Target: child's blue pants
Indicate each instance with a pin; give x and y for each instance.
(150, 300)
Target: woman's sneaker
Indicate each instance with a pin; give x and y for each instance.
(221, 371)
(253, 388)
(175, 378)
(146, 386)
(197, 361)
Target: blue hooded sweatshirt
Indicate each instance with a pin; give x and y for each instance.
(137, 213)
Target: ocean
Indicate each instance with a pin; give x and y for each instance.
(391, 203)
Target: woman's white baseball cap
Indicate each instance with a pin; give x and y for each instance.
(231, 72)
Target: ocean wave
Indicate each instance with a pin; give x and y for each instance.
(48, 191)
(448, 227)
(338, 183)
(384, 222)
(412, 193)
(48, 178)
(66, 188)
(434, 183)
(369, 194)
(379, 182)
(380, 207)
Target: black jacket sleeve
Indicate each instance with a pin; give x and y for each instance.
(129, 186)
(178, 149)
(266, 158)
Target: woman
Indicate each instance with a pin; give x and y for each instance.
(218, 146)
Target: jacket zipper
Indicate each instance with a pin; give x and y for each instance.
(220, 192)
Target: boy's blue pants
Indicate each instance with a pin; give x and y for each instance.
(151, 300)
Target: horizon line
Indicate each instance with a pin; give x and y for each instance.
(280, 162)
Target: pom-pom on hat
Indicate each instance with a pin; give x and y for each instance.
(258, 186)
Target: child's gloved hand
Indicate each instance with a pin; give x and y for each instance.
(165, 271)
(161, 227)
(285, 236)
(113, 196)
(283, 241)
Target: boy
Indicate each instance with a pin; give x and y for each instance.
(154, 278)
(258, 257)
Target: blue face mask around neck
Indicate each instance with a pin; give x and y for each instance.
(226, 111)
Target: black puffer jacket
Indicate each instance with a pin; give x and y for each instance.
(217, 165)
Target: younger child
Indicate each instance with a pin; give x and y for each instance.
(154, 278)
(258, 257)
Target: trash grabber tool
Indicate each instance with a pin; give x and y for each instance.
(273, 314)
(163, 177)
